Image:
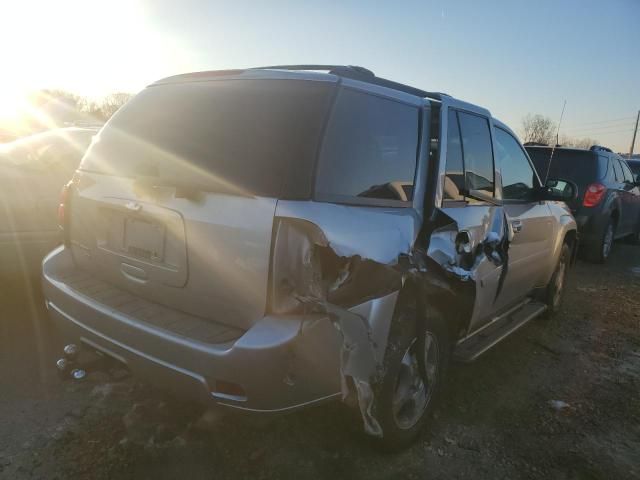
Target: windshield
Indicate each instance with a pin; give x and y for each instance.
(252, 137)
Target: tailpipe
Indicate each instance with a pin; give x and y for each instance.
(70, 367)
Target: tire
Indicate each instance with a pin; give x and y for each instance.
(402, 415)
(554, 292)
(600, 252)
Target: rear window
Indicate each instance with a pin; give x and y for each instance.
(256, 137)
(370, 150)
(581, 167)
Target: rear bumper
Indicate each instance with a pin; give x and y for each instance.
(282, 363)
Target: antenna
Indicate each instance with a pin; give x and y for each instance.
(553, 149)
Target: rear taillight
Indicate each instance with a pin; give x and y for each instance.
(64, 211)
(594, 194)
(62, 205)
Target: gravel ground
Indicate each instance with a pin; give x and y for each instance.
(558, 400)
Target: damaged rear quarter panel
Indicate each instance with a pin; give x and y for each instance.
(371, 241)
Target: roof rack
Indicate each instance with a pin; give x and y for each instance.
(359, 73)
(600, 148)
(535, 144)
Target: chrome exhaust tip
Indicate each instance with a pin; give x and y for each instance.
(62, 364)
(71, 351)
(78, 374)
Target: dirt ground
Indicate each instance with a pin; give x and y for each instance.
(559, 400)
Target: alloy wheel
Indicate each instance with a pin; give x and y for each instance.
(412, 393)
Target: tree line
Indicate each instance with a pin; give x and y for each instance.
(62, 105)
(540, 129)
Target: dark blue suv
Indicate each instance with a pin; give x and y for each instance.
(608, 203)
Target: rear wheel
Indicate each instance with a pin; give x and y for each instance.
(601, 251)
(406, 398)
(554, 292)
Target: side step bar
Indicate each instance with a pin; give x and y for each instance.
(472, 347)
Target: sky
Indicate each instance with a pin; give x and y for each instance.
(513, 57)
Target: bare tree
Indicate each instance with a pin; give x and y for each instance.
(586, 142)
(539, 129)
(111, 103)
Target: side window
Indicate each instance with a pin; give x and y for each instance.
(477, 152)
(617, 170)
(370, 149)
(628, 176)
(454, 175)
(518, 178)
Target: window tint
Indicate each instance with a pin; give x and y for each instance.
(518, 178)
(259, 137)
(454, 179)
(580, 166)
(628, 176)
(478, 152)
(635, 167)
(618, 171)
(603, 163)
(370, 149)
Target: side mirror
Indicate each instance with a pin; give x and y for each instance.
(559, 190)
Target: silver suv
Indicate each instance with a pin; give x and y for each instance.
(272, 238)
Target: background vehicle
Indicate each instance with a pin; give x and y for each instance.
(608, 203)
(207, 250)
(634, 165)
(33, 171)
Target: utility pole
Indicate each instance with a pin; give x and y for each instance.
(635, 131)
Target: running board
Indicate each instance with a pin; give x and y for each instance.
(472, 347)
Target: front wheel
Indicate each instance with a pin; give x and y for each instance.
(406, 397)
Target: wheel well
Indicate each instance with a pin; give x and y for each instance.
(615, 216)
(443, 300)
(570, 239)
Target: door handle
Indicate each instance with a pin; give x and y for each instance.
(517, 226)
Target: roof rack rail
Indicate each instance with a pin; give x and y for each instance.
(535, 144)
(600, 148)
(359, 73)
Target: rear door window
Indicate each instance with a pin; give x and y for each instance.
(454, 174)
(478, 153)
(369, 151)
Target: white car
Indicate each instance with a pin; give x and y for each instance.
(33, 171)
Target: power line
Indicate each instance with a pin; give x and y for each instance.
(606, 133)
(605, 121)
(603, 127)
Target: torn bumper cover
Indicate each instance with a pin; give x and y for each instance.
(282, 363)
